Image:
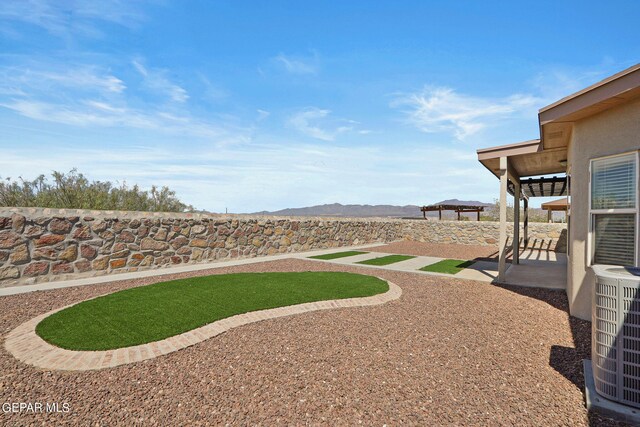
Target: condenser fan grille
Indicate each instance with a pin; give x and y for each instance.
(616, 339)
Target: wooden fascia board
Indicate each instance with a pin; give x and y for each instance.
(577, 102)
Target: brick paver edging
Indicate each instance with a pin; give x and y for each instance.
(25, 345)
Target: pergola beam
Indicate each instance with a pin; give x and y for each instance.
(533, 193)
(543, 187)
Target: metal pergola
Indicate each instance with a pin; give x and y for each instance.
(556, 186)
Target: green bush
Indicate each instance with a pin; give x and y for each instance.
(74, 191)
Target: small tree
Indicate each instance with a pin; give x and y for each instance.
(492, 213)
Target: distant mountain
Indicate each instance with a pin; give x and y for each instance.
(336, 209)
(339, 210)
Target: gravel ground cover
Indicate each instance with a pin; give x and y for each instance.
(448, 352)
(440, 250)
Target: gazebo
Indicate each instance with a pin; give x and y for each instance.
(459, 209)
(560, 205)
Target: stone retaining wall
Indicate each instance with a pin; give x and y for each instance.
(53, 244)
(541, 235)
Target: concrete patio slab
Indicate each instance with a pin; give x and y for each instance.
(415, 263)
(483, 271)
(480, 270)
(540, 269)
(355, 258)
(532, 256)
(538, 274)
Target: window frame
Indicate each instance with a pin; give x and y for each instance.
(593, 212)
(569, 209)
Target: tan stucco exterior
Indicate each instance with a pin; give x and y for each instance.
(614, 131)
(599, 121)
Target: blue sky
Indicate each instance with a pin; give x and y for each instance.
(252, 105)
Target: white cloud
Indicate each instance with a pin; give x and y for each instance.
(441, 109)
(262, 114)
(87, 96)
(157, 81)
(298, 65)
(212, 92)
(91, 113)
(310, 120)
(42, 77)
(557, 82)
(66, 18)
(88, 78)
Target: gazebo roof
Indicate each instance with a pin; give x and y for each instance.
(461, 208)
(556, 205)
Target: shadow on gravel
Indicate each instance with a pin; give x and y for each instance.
(556, 298)
(567, 360)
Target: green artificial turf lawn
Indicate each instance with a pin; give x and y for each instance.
(386, 260)
(338, 255)
(448, 266)
(161, 310)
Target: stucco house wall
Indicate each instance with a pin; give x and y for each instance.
(614, 131)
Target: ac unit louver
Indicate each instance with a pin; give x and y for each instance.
(615, 339)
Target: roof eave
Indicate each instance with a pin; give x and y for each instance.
(524, 147)
(616, 85)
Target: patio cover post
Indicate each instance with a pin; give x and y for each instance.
(516, 222)
(526, 222)
(502, 242)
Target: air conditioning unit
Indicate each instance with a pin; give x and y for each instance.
(615, 338)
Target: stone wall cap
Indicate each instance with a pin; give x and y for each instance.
(35, 212)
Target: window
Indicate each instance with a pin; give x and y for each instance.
(614, 209)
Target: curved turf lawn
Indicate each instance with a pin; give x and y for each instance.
(162, 310)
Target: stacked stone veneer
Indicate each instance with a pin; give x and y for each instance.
(48, 244)
(543, 236)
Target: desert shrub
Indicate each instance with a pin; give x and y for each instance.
(492, 213)
(73, 190)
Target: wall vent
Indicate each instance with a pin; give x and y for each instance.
(554, 135)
